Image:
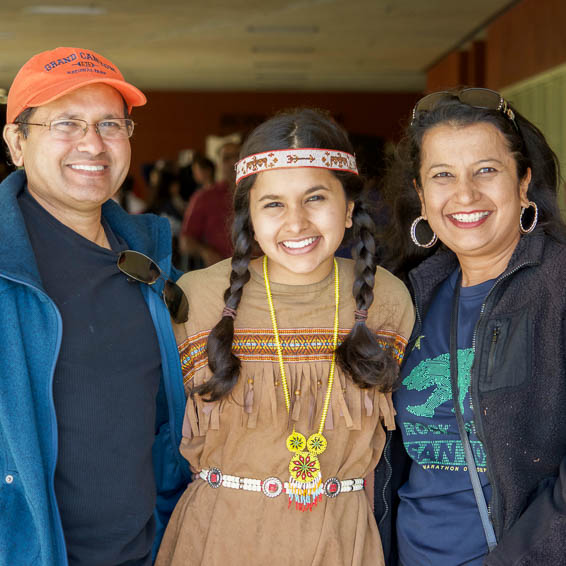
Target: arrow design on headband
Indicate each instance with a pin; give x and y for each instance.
(295, 158)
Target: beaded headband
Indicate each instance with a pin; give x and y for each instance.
(304, 157)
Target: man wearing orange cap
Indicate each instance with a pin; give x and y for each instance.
(91, 394)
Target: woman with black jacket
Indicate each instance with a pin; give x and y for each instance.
(476, 472)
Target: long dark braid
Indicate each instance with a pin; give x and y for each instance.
(360, 355)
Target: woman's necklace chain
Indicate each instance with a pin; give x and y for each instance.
(305, 483)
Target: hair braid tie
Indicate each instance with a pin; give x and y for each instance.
(227, 311)
(360, 315)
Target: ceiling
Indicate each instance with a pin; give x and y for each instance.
(297, 45)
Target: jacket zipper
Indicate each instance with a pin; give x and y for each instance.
(491, 358)
(493, 507)
(389, 469)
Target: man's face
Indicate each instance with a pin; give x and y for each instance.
(78, 175)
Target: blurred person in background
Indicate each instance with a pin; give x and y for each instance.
(166, 201)
(203, 171)
(205, 230)
(127, 198)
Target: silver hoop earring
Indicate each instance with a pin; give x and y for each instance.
(533, 223)
(414, 235)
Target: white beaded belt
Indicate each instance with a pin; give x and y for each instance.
(272, 486)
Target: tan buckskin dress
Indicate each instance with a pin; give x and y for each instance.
(245, 434)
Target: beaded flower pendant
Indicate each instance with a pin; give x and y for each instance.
(305, 482)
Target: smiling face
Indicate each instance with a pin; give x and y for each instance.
(471, 194)
(79, 175)
(299, 217)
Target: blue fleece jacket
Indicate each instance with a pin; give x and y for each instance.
(30, 338)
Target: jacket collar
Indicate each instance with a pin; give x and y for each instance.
(16, 253)
(144, 233)
(426, 277)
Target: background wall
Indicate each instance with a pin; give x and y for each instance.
(172, 121)
(526, 40)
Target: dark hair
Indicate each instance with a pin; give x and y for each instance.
(163, 176)
(359, 354)
(24, 116)
(204, 163)
(525, 141)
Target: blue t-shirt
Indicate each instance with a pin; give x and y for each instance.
(438, 520)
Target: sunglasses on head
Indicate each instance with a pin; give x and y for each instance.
(142, 268)
(475, 97)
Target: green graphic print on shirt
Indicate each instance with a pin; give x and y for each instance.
(436, 373)
(431, 438)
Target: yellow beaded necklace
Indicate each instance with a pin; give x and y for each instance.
(305, 483)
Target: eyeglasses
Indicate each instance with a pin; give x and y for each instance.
(142, 268)
(475, 97)
(74, 129)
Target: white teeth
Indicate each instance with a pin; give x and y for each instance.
(301, 244)
(473, 217)
(88, 167)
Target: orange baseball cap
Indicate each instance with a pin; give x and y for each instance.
(52, 74)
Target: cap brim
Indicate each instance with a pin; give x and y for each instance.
(132, 95)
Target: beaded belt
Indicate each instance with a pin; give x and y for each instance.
(272, 486)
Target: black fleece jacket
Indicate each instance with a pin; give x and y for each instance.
(518, 387)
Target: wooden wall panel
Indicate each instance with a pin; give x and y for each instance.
(526, 40)
(464, 67)
(449, 72)
(476, 64)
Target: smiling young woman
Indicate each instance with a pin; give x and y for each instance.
(289, 360)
